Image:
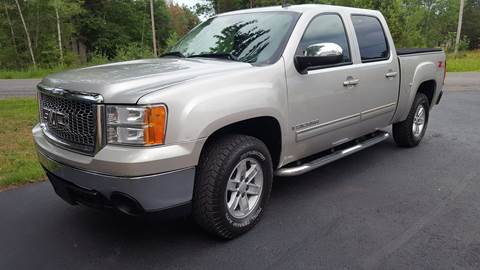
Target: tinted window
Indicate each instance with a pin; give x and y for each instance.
(257, 37)
(326, 28)
(371, 38)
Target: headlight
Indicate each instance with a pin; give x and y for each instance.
(136, 125)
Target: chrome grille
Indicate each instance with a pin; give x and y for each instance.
(70, 119)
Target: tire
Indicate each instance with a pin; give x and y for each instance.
(221, 166)
(405, 133)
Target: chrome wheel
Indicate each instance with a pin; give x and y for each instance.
(418, 121)
(244, 188)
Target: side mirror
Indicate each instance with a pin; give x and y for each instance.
(319, 54)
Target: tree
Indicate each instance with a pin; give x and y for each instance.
(56, 4)
(182, 19)
(459, 27)
(76, 31)
(27, 34)
(470, 27)
(14, 43)
(154, 37)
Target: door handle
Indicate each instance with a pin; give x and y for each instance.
(351, 82)
(391, 74)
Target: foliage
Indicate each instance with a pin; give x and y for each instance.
(184, 20)
(132, 51)
(172, 40)
(413, 23)
(92, 31)
(99, 31)
(18, 162)
(471, 26)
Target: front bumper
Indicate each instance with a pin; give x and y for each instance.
(152, 192)
(125, 161)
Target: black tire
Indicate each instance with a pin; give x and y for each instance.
(217, 163)
(403, 131)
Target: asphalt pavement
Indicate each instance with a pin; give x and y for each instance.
(382, 208)
(18, 88)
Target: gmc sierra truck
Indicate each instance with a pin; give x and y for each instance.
(243, 97)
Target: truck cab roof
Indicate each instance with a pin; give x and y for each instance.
(306, 8)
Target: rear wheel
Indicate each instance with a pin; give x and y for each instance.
(410, 132)
(232, 186)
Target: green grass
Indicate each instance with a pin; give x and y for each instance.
(29, 73)
(18, 161)
(464, 61)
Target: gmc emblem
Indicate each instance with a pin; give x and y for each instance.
(55, 119)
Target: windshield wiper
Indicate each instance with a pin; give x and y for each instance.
(177, 54)
(228, 56)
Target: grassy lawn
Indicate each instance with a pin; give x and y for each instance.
(29, 73)
(464, 61)
(18, 161)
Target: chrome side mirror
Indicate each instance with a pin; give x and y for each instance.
(317, 55)
(323, 50)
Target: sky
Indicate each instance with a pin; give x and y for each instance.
(188, 3)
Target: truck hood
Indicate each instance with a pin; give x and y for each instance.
(126, 82)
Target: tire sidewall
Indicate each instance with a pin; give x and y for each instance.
(420, 100)
(261, 155)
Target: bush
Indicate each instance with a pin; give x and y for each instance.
(97, 59)
(171, 41)
(131, 52)
(71, 59)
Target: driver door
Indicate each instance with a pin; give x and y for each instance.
(324, 101)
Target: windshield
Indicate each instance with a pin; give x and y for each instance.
(257, 38)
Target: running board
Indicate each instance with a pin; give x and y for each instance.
(314, 164)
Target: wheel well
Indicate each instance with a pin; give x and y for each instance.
(267, 129)
(428, 88)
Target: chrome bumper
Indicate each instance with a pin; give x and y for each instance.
(152, 192)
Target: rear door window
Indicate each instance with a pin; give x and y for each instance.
(371, 38)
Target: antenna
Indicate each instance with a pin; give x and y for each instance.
(285, 4)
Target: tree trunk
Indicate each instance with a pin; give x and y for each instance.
(154, 38)
(37, 25)
(14, 43)
(59, 31)
(143, 23)
(459, 26)
(29, 42)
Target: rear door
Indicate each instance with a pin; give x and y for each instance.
(377, 71)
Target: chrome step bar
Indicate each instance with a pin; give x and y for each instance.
(312, 165)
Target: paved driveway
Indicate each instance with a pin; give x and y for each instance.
(461, 81)
(18, 88)
(382, 208)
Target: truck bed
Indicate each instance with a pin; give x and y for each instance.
(416, 65)
(404, 51)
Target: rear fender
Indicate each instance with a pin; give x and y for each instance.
(424, 72)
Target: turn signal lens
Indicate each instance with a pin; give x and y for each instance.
(155, 121)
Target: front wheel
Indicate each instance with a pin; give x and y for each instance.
(410, 132)
(232, 186)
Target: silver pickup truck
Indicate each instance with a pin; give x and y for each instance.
(244, 96)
